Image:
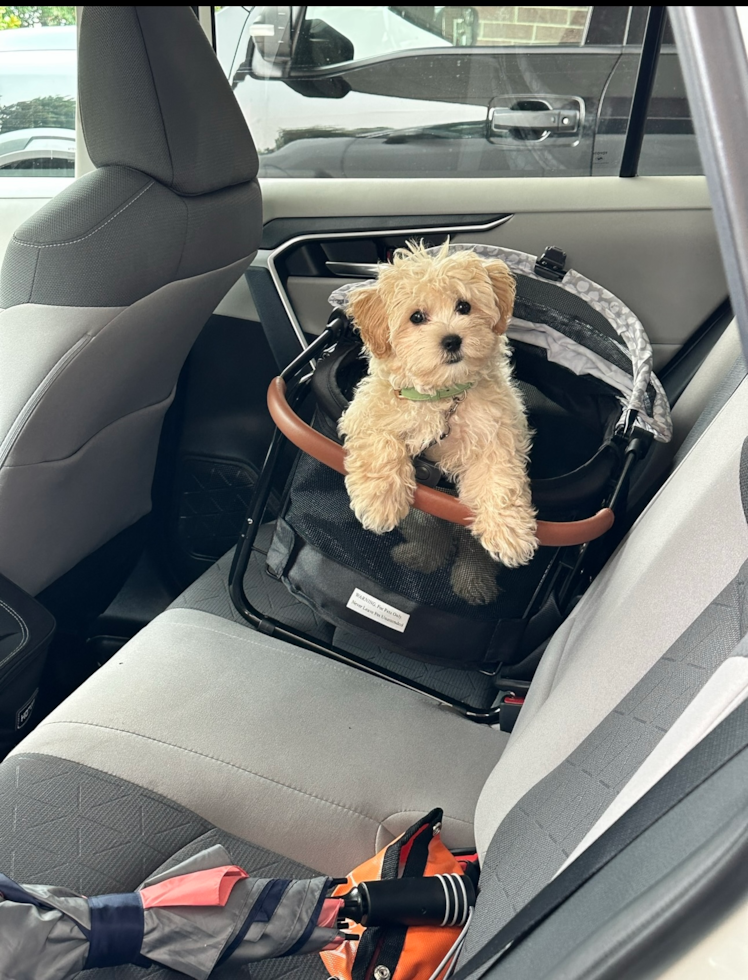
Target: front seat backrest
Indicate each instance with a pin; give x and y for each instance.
(105, 289)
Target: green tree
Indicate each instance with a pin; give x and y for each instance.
(36, 17)
(46, 112)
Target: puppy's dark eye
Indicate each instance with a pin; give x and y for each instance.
(462, 307)
(418, 317)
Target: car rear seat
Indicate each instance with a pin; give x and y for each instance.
(202, 730)
(713, 383)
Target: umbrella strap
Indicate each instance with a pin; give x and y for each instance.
(262, 911)
(117, 928)
(312, 924)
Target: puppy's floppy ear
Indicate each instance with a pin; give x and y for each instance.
(504, 288)
(366, 309)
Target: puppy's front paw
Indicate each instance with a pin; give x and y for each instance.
(475, 584)
(379, 506)
(418, 557)
(508, 536)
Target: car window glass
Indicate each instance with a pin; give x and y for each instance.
(37, 91)
(353, 91)
(374, 32)
(669, 145)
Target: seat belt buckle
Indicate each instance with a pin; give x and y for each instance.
(509, 709)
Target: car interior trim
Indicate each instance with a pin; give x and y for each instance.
(645, 81)
(272, 258)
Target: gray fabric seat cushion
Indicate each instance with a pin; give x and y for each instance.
(301, 755)
(685, 548)
(210, 593)
(67, 824)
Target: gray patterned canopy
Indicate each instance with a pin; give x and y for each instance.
(653, 414)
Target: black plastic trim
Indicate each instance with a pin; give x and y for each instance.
(681, 368)
(645, 80)
(279, 330)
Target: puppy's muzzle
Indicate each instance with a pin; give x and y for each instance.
(451, 345)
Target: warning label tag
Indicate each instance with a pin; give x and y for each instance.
(381, 612)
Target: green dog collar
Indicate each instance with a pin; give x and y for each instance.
(413, 395)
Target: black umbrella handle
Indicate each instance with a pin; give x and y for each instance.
(440, 900)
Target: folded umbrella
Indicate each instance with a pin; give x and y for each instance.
(189, 918)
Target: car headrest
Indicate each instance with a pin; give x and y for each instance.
(153, 97)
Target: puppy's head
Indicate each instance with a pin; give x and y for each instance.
(435, 320)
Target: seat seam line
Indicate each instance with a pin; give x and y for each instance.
(224, 762)
(75, 241)
(90, 439)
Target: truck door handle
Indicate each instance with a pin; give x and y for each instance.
(563, 121)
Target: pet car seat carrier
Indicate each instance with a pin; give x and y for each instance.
(427, 589)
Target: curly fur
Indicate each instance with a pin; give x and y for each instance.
(430, 544)
(487, 447)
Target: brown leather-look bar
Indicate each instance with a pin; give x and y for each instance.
(554, 534)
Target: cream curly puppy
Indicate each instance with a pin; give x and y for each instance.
(440, 382)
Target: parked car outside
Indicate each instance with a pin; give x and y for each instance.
(37, 101)
(394, 91)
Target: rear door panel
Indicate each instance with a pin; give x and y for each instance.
(651, 241)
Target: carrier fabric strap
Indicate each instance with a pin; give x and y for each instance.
(117, 927)
(724, 743)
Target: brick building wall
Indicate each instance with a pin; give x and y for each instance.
(531, 25)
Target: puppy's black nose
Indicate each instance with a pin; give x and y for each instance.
(452, 343)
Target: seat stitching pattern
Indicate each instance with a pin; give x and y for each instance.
(212, 758)
(250, 772)
(15, 430)
(75, 241)
(36, 269)
(113, 835)
(415, 809)
(110, 425)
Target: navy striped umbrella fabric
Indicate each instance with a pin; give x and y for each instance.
(191, 918)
